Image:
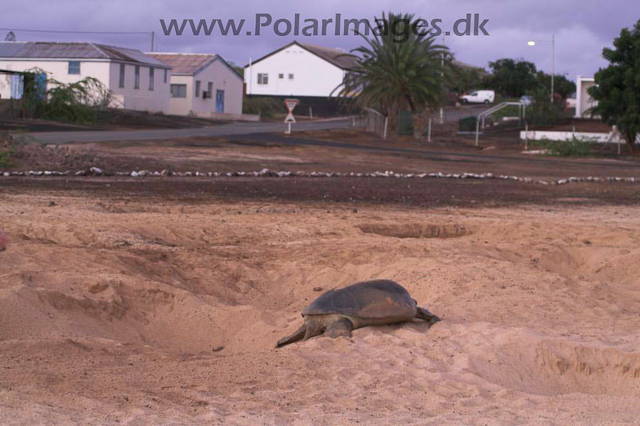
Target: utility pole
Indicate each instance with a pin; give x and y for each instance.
(442, 75)
(153, 41)
(553, 66)
(553, 62)
(250, 77)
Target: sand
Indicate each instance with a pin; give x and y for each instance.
(147, 311)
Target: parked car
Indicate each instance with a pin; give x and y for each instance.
(526, 100)
(479, 97)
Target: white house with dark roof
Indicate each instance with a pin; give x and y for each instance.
(299, 70)
(136, 81)
(203, 84)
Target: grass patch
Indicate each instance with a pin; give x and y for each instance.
(574, 147)
(11, 150)
(5, 159)
(508, 111)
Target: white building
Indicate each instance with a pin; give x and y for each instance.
(584, 101)
(203, 84)
(136, 81)
(298, 70)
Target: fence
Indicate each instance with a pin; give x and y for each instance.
(373, 122)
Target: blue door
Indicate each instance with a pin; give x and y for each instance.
(219, 100)
(41, 86)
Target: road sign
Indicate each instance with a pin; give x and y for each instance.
(291, 105)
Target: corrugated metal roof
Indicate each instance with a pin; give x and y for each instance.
(9, 49)
(129, 55)
(185, 63)
(337, 57)
(54, 50)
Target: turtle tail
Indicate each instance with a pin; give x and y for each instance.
(299, 334)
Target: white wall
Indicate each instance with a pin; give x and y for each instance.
(141, 99)
(584, 102)
(5, 86)
(538, 135)
(222, 78)
(181, 106)
(313, 76)
(109, 74)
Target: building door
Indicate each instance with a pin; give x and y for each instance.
(219, 100)
(40, 86)
(17, 86)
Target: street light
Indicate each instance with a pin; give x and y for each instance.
(553, 59)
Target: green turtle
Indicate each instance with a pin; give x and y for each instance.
(337, 312)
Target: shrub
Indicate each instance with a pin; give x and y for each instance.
(68, 102)
(262, 105)
(11, 149)
(570, 148)
(542, 112)
(5, 159)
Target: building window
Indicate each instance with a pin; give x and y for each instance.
(263, 78)
(121, 83)
(166, 75)
(290, 76)
(178, 90)
(281, 76)
(136, 81)
(151, 77)
(197, 88)
(74, 67)
(209, 90)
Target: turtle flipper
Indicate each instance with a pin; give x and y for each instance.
(424, 314)
(340, 328)
(314, 328)
(299, 334)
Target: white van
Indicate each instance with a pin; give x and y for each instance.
(479, 97)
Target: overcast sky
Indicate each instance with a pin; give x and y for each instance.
(582, 28)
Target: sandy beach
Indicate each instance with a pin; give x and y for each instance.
(131, 310)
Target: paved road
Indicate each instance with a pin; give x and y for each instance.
(221, 130)
(450, 114)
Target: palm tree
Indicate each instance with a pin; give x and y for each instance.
(401, 66)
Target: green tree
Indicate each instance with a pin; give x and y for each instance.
(561, 84)
(543, 112)
(466, 78)
(512, 78)
(401, 66)
(237, 68)
(617, 87)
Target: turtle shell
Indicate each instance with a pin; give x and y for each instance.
(378, 299)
